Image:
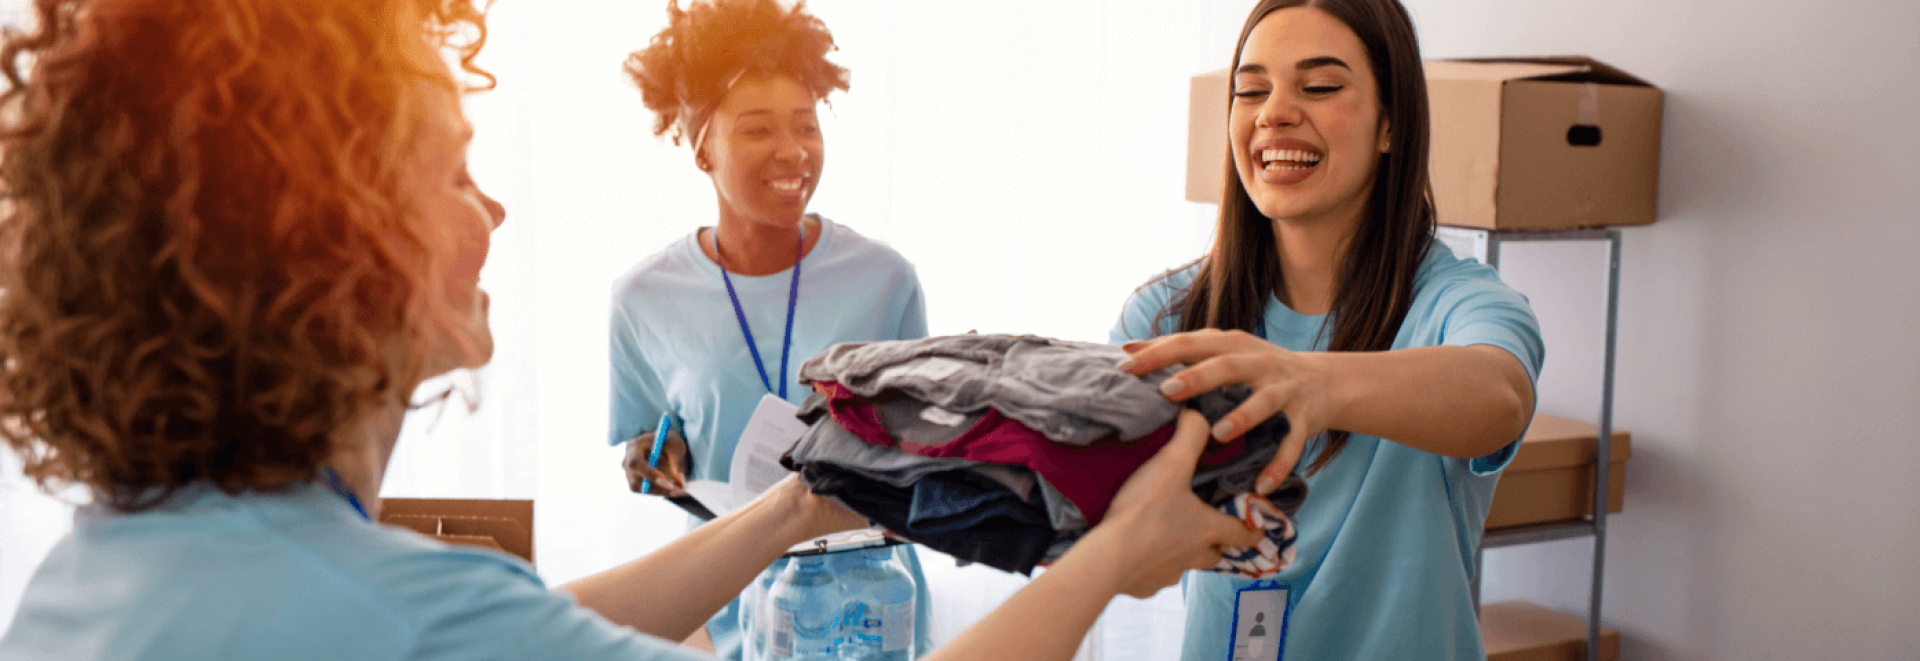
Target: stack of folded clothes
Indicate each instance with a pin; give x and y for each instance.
(1004, 449)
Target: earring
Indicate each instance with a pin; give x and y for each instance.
(700, 161)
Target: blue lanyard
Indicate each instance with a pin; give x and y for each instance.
(793, 296)
(339, 486)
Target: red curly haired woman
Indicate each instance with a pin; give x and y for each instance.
(237, 235)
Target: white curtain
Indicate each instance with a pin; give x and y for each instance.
(1027, 156)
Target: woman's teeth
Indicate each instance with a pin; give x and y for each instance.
(788, 185)
(1288, 159)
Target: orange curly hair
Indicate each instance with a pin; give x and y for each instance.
(208, 261)
(684, 71)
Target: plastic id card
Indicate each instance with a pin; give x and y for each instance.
(1259, 622)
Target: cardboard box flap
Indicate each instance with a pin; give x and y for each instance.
(1495, 71)
(1553, 442)
(420, 523)
(506, 525)
(1566, 68)
(509, 534)
(518, 510)
(476, 541)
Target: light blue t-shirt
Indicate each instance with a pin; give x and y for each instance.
(676, 345)
(293, 576)
(1387, 533)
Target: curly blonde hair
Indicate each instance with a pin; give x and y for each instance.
(208, 261)
(684, 71)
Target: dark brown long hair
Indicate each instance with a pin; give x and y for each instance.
(1375, 286)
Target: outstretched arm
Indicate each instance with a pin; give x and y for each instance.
(1449, 400)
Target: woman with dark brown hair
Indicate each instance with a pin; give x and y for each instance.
(1406, 374)
(700, 332)
(237, 235)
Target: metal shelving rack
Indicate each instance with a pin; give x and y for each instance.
(1486, 245)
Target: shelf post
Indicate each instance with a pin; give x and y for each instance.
(1603, 448)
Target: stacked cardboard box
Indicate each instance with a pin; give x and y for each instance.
(1551, 479)
(1526, 631)
(1542, 143)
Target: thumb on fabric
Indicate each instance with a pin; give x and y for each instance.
(1190, 437)
(1284, 461)
(1179, 458)
(1228, 532)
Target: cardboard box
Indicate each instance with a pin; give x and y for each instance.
(1551, 479)
(1532, 143)
(1526, 631)
(501, 525)
(1208, 97)
(1539, 143)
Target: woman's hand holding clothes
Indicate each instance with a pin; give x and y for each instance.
(1299, 384)
(1157, 522)
(669, 478)
(1155, 530)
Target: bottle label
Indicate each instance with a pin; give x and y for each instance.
(780, 638)
(897, 626)
(866, 626)
(813, 637)
(852, 618)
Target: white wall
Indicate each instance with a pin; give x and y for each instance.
(1767, 363)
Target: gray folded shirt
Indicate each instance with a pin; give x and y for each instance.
(1069, 391)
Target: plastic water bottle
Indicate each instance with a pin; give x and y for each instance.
(843, 564)
(805, 613)
(881, 622)
(754, 609)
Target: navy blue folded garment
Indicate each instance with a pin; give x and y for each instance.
(956, 512)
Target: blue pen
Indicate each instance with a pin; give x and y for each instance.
(659, 439)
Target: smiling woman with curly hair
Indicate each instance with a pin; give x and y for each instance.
(212, 255)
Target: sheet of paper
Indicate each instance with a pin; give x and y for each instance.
(771, 431)
(717, 496)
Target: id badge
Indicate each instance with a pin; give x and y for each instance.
(1259, 622)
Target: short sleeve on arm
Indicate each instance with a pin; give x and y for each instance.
(913, 315)
(474, 606)
(1138, 314)
(635, 397)
(1490, 313)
